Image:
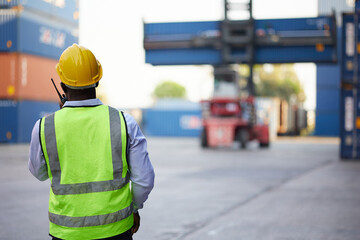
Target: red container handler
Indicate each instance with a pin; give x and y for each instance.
(226, 120)
(27, 77)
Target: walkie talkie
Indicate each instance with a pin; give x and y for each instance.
(63, 98)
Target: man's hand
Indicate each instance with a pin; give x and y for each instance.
(136, 225)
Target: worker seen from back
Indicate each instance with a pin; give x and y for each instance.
(90, 152)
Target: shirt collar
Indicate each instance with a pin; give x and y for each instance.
(83, 103)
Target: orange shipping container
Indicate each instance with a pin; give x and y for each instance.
(27, 77)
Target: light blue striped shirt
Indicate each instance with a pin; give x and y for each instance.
(141, 170)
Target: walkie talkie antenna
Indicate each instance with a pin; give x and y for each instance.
(63, 98)
(56, 89)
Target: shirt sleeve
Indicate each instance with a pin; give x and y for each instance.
(141, 170)
(37, 164)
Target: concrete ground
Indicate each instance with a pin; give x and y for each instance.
(295, 190)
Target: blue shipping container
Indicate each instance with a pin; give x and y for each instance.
(199, 56)
(350, 125)
(172, 123)
(327, 100)
(25, 32)
(66, 10)
(350, 49)
(186, 31)
(289, 54)
(328, 95)
(17, 118)
(327, 124)
(328, 76)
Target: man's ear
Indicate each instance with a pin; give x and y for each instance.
(63, 86)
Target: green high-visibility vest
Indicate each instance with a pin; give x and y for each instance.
(85, 153)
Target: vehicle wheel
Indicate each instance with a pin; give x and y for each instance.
(204, 143)
(264, 145)
(243, 137)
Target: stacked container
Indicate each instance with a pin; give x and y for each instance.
(350, 88)
(328, 76)
(33, 34)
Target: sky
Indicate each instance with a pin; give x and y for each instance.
(113, 31)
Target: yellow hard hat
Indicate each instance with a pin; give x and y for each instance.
(78, 68)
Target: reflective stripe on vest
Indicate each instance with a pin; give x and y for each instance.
(91, 221)
(79, 188)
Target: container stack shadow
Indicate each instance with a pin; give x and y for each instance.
(33, 34)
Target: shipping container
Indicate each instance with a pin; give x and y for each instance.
(328, 94)
(172, 123)
(26, 32)
(302, 120)
(328, 76)
(283, 117)
(350, 124)
(176, 104)
(267, 112)
(27, 77)
(17, 118)
(327, 99)
(350, 49)
(63, 10)
(296, 119)
(292, 120)
(170, 43)
(326, 123)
